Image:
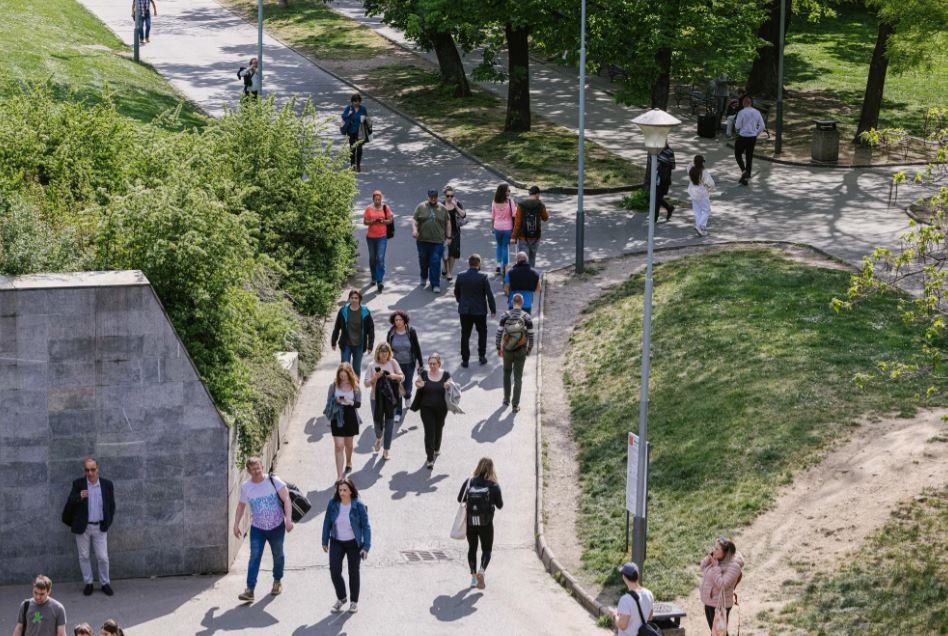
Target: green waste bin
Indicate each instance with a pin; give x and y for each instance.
(825, 145)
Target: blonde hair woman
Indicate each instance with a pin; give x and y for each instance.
(342, 411)
(384, 376)
(482, 494)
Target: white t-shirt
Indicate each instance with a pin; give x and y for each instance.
(343, 524)
(266, 507)
(627, 606)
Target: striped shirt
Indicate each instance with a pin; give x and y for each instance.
(144, 7)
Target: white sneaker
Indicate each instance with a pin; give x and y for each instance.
(436, 290)
(337, 606)
(473, 581)
(353, 608)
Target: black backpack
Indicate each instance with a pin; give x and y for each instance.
(530, 225)
(478, 504)
(298, 502)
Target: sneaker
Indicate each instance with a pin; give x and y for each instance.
(698, 231)
(380, 287)
(107, 590)
(424, 281)
(473, 581)
(337, 606)
(436, 290)
(464, 363)
(482, 360)
(671, 210)
(437, 452)
(481, 584)
(246, 596)
(87, 590)
(277, 588)
(373, 282)
(506, 402)
(400, 417)
(353, 607)
(429, 465)
(516, 408)
(497, 270)
(378, 444)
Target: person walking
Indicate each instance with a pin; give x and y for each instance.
(722, 92)
(145, 9)
(531, 214)
(431, 401)
(666, 165)
(721, 570)
(748, 124)
(524, 280)
(406, 350)
(342, 411)
(514, 344)
(430, 229)
(481, 494)
(501, 215)
(474, 295)
(111, 628)
(456, 218)
(247, 73)
(385, 377)
(357, 127)
(354, 331)
(700, 192)
(89, 512)
(636, 606)
(41, 614)
(346, 534)
(271, 517)
(377, 217)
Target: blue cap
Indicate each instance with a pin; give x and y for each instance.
(630, 570)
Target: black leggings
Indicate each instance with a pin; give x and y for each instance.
(486, 535)
(433, 422)
(709, 614)
(355, 151)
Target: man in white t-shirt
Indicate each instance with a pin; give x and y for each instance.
(626, 616)
(271, 517)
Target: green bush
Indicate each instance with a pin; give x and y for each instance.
(638, 200)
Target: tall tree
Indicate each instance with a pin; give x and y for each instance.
(762, 79)
(875, 81)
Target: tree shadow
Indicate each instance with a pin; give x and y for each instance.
(420, 482)
(451, 608)
(494, 427)
(332, 624)
(241, 617)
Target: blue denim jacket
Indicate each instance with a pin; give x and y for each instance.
(358, 517)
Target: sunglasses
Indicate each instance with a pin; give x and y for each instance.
(449, 196)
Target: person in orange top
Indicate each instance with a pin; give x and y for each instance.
(377, 217)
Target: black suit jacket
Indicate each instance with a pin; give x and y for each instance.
(473, 293)
(76, 512)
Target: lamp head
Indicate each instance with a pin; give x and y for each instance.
(655, 125)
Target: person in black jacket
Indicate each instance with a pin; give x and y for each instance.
(474, 295)
(354, 331)
(407, 351)
(482, 494)
(89, 512)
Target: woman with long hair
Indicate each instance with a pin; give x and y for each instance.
(502, 221)
(111, 628)
(342, 411)
(699, 189)
(406, 350)
(384, 376)
(346, 534)
(482, 494)
(433, 405)
(721, 571)
(456, 218)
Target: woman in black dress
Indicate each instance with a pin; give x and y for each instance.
(342, 410)
(431, 386)
(457, 216)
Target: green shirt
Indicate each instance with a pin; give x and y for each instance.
(432, 222)
(354, 328)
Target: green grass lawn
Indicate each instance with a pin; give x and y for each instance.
(751, 379)
(896, 583)
(59, 42)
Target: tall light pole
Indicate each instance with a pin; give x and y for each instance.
(258, 77)
(580, 212)
(655, 125)
(778, 139)
(138, 25)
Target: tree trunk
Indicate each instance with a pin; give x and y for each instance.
(449, 62)
(518, 87)
(875, 82)
(662, 83)
(762, 80)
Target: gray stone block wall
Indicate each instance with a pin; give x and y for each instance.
(90, 365)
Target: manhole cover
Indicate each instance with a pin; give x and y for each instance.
(422, 556)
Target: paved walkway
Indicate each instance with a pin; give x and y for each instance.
(198, 45)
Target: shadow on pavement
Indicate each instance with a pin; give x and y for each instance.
(319, 499)
(494, 427)
(451, 608)
(419, 482)
(332, 624)
(240, 617)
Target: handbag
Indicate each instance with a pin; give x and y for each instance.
(390, 228)
(645, 629)
(719, 624)
(459, 528)
(299, 504)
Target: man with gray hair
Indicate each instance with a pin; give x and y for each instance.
(89, 511)
(524, 280)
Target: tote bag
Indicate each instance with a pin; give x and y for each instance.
(459, 528)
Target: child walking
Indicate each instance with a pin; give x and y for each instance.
(700, 192)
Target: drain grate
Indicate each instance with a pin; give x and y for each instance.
(425, 556)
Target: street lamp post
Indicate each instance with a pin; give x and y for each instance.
(580, 212)
(655, 125)
(778, 138)
(258, 76)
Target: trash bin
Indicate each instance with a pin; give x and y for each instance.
(707, 126)
(825, 145)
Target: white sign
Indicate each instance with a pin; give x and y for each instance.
(632, 477)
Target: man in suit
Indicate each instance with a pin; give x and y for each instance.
(473, 293)
(89, 512)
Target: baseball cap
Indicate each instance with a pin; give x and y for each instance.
(630, 570)
(534, 190)
(432, 193)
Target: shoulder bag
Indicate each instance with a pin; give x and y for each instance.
(459, 529)
(390, 228)
(299, 504)
(646, 629)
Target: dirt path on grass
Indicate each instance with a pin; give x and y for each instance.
(830, 508)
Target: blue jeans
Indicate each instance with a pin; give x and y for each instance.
(377, 247)
(353, 355)
(503, 246)
(429, 260)
(258, 538)
(144, 31)
(409, 371)
(384, 426)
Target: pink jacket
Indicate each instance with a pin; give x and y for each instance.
(501, 214)
(720, 577)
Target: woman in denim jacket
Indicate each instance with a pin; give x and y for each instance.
(346, 533)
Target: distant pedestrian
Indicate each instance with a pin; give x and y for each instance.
(748, 125)
(432, 386)
(524, 280)
(474, 295)
(346, 534)
(514, 344)
(271, 517)
(702, 183)
(384, 376)
(378, 217)
(357, 126)
(456, 218)
(247, 73)
(431, 233)
(501, 215)
(407, 352)
(82, 629)
(111, 628)
(342, 410)
(636, 606)
(721, 570)
(41, 615)
(89, 512)
(482, 495)
(354, 331)
(722, 92)
(531, 214)
(145, 10)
